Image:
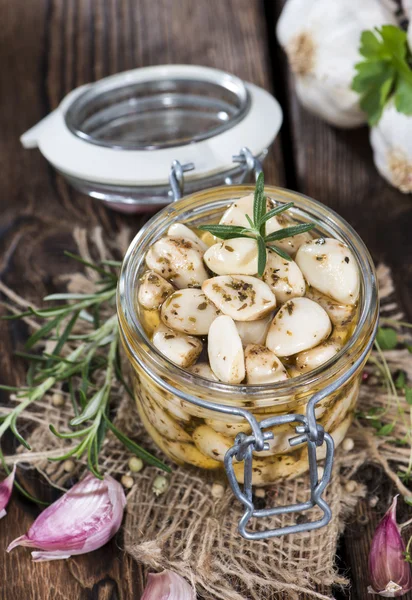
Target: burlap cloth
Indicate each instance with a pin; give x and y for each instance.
(191, 532)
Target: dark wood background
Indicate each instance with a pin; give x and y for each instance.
(48, 47)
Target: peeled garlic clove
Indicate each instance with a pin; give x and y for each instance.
(211, 443)
(236, 213)
(323, 65)
(254, 332)
(291, 244)
(229, 425)
(312, 359)
(341, 315)
(390, 139)
(284, 278)
(179, 348)
(241, 297)
(178, 230)
(188, 453)
(153, 290)
(226, 351)
(82, 520)
(233, 257)
(164, 423)
(262, 366)
(178, 260)
(203, 370)
(330, 267)
(299, 325)
(189, 311)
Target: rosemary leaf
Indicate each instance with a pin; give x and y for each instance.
(42, 332)
(280, 252)
(136, 449)
(259, 203)
(274, 211)
(225, 232)
(90, 265)
(262, 256)
(90, 409)
(289, 232)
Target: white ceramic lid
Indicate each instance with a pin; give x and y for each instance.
(254, 122)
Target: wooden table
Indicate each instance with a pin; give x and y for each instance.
(48, 47)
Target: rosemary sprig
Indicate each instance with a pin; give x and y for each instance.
(257, 229)
(87, 363)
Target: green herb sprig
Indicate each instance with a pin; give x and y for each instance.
(384, 72)
(87, 363)
(257, 229)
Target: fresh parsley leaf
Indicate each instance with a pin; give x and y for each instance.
(384, 72)
(403, 97)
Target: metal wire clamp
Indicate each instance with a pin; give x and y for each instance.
(251, 163)
(308, 431)
(176, 178)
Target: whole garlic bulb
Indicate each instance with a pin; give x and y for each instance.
(391, 141)
(321, 39)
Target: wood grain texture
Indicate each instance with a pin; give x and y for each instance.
(335, 166)
(47, 48)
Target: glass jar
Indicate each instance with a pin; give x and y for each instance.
(198, 436)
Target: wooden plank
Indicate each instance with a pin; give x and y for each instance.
(48, 47)
(336, 167)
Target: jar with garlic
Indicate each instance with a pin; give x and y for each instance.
(240, 322)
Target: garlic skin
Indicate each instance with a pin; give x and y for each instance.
(391, 141)
(167, 586)
(321, 39)
(82, 520)
(6, 488)
(390, 574)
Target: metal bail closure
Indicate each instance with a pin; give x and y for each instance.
(243, 451)
(176, 178)
(252, 163)
(309, 432)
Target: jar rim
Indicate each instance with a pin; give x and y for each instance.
(144, 351)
